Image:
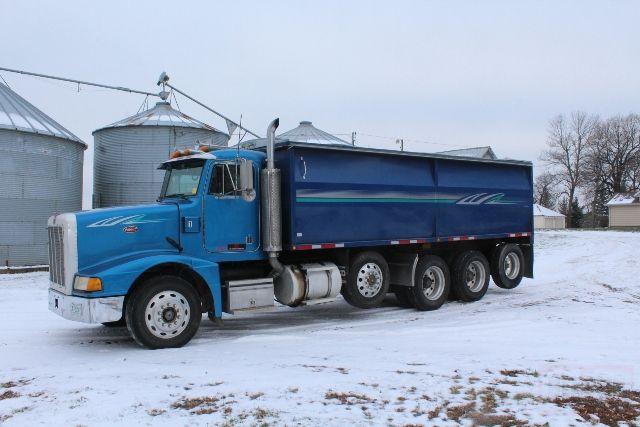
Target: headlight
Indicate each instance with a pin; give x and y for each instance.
(88, 284)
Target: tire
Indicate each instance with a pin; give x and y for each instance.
(470, 276)
(368, 280)
(431, 284)
(507, 266)
(152, 331)
(117, 324)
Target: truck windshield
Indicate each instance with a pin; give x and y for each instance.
(182, 179)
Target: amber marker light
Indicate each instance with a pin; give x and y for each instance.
(87, 284)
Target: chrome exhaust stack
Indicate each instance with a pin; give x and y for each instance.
(272, 204)
(293, 284)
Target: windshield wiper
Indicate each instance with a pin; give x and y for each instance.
(182, 196)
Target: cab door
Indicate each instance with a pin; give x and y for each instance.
(231, 209)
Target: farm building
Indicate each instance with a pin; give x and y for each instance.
(624, 210)
(41, 175)
(547, 218)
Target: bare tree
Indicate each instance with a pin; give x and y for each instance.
(544, 191)
(613, 153)
(567, 141)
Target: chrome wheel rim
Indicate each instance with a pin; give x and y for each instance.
(433, 283)
(511, 265)
(369, 280)
(167, 314)
(475, 276)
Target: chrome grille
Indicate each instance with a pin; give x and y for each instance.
(56, 255)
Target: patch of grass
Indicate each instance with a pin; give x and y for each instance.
(631, 395)
(489, 401)
(155, 412)
(506, 381)
(516, 372)
(205, 411)
(254, 396)
(610, 411)
(597, 386)
(460, 411)
(523, 396)
(349, 398)
(293, 389)
(455, 389)
(193, 402)
(11, 384)
(435, 412)
(9, 394)
(506, 420)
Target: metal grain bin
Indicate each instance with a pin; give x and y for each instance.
(40, 175)
(127, 153)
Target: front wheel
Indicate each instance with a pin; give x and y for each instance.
(368, 280)
(164, 312)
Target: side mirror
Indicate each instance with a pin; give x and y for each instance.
(247, 189)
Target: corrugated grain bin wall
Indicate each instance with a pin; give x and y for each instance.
(41, 175)
(127, 153)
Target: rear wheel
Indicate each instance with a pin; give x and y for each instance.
(368, 280)
(431, 284)
(507, 262)
(470, 276)
(163, 312)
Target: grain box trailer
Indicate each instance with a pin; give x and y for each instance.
(300, 223)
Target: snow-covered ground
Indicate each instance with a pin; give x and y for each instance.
(532, 355)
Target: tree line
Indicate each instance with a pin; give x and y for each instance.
(588, 159)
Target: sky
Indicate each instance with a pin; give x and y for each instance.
(439, 74)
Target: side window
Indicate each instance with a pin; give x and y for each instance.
(224, 182)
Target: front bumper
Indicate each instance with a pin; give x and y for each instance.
(87, 310)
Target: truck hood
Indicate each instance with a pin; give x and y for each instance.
(107, 236)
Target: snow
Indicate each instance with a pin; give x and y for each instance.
(568, 332)
(624, 199)
(539, 210)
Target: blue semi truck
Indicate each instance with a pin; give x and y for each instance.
(296, 223)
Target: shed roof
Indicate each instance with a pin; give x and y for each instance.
(619, 199)
(539, 210)
(480, 152)
(16, 113)
(162, 114)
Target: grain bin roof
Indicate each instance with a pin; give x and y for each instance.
(162, 114)
(480, 152)
(16, 113)
(306, 132)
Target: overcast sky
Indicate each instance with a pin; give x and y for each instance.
(452, 73)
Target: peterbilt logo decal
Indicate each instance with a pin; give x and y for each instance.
(130, 229)
(123, 220)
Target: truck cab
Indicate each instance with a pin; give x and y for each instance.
(207, 213)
